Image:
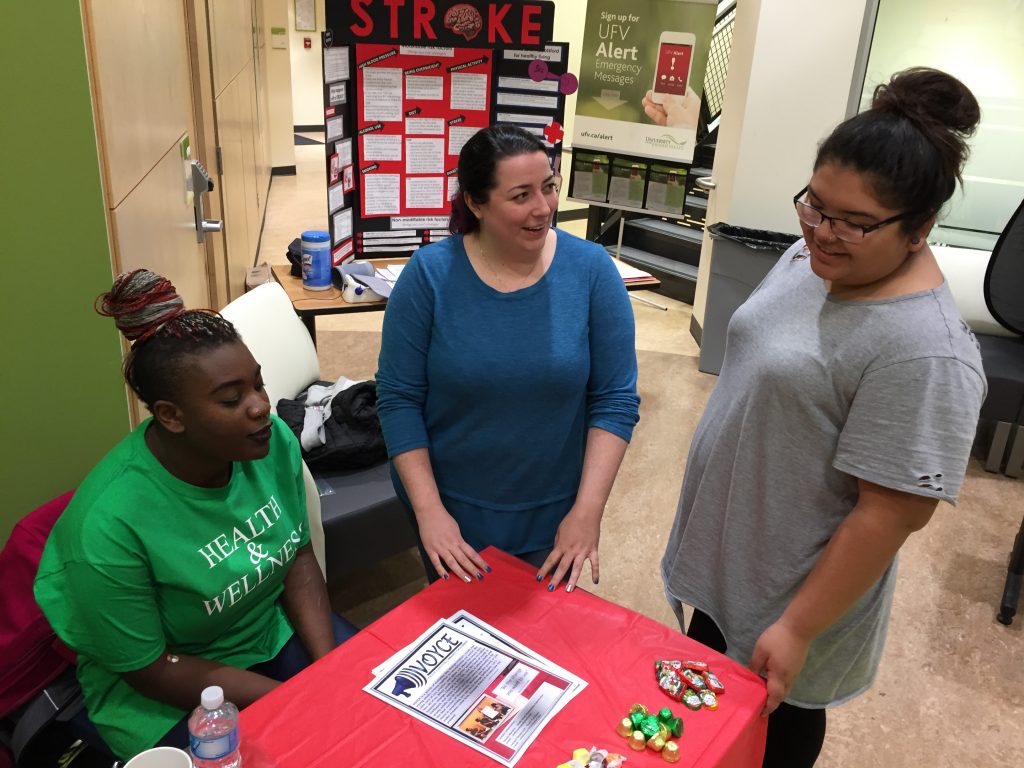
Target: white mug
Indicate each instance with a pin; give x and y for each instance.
(160, 757)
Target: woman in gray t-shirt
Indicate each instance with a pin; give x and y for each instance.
(844, 412)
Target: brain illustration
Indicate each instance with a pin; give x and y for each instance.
(463, 19)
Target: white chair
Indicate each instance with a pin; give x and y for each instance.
(355, 516)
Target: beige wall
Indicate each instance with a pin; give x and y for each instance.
(569, 29)
(790, 72)
(307, 70)
(279, 84)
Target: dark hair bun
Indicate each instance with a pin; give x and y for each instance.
(938, 104)
(140, 303)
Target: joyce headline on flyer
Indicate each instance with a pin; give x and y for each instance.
(642, 75)
(473, 684)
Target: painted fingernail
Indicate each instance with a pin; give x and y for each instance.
(597, 581)
(444, 576)
(480, 576)
(569, 588)
(487, 568)
(468, 580)
(551, 587)
(538, 577)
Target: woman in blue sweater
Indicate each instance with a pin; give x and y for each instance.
(507, 381)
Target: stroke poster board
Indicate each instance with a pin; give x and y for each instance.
(642, 76)
(405, 86)
(477, 685)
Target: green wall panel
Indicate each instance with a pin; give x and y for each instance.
(63, 401)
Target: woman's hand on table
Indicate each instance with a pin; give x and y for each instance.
(446, 548)
(779, 655)
(575, 542)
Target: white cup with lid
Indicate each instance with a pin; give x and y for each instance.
(161, 757)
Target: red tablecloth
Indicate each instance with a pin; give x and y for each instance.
(323, 719)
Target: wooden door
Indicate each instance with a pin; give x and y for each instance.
(243, 180)
(142, 97)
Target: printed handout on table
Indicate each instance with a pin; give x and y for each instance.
(477, 685)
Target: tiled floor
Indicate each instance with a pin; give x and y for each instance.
(950, 691)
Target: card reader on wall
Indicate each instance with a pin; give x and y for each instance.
(359, 283)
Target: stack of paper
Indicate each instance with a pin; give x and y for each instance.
(630, 274)
(476, 684)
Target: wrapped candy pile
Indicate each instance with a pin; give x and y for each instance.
(594, 758)
(645, 730)
(690, 682)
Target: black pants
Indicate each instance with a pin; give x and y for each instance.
(795, 734)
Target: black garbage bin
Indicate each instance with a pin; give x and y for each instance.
(742, 258)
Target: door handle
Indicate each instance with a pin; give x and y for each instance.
(201, 184)
(705, 182)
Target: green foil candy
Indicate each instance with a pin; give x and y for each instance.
(650, 726)
(636, 718)
(675, 725)
(665, 714)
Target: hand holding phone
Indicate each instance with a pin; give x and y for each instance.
(672, 70)
(674, 111)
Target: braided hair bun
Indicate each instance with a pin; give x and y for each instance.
(149, 313)
(140, 303)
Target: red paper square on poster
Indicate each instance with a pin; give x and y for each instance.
(335, 169)
(347, 179)
(415, 109)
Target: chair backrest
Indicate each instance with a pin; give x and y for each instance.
(277, 339)
(1004, 279)
(281, 345)
(30, 654)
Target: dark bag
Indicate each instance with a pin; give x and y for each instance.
(354, 437)
(39, 693)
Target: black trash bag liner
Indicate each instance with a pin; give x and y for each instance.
(758, 239)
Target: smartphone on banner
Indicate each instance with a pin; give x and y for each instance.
(672, 71)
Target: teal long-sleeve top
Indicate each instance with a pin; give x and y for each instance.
(501, 388)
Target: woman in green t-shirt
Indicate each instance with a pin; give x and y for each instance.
(183, 559)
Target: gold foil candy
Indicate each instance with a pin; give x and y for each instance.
(670, 752)
(624, 728)
(656, 743)
(637, 741)
(639, 708)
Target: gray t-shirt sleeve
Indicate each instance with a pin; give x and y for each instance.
(911, 426)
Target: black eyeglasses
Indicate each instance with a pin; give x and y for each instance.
(845, 230)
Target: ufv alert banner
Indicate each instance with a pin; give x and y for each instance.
(642, 76)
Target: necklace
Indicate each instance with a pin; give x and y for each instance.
(521, 281)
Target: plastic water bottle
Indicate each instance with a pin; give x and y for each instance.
(213, 731)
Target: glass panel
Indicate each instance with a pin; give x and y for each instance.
(982, 43)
